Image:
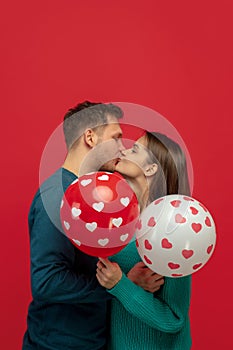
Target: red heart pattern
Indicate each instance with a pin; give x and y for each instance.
(194, 210)
(173, 266)
(187, 253)
(138, 225)
(196, 227)
(195, 267)
(151, 222)
(209, 249)
(180, 249)
(188, 199)
(147, 260)
(175, 203)
(158, 201)
(180, 219)
(166, 244)
(147, 244)
(207, 222)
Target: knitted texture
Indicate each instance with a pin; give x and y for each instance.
(68, 310)
(143, 320)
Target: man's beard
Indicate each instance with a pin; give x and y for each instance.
(108, 166)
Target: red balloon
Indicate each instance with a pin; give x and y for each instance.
(99, 213)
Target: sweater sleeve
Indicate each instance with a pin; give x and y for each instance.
(166, 310)
(54, 276)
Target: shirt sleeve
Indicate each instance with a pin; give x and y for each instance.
(54, 277)
(166, 310)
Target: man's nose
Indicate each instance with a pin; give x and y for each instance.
(121, 147)
(123, 152)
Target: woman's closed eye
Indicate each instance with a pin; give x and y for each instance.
(134, 148)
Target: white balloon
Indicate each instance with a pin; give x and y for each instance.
(176, 235)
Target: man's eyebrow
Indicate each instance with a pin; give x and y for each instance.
(135, 145)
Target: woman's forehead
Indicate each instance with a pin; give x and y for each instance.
(142, 140)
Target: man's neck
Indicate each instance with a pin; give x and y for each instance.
(73, 161)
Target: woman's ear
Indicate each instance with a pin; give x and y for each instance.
(150, 169)
(90, 138)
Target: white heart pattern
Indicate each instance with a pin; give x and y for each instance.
(67, 225)
(91, 226)
(75, 212)
(76, 242)
(124, 237)
(117, 222)
(98, 206)
(86, 182)
(125, 201)
(62, 202)
(103, 177)
(103, 242)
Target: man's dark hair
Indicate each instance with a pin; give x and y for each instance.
(87, 115)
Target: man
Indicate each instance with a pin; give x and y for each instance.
(68, 310)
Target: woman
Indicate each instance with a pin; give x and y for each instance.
(155, 166)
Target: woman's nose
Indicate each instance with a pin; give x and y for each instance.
(124, 152)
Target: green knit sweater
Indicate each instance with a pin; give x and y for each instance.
(145, 321)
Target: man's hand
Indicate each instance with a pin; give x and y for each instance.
(108, 273)
(141, 275)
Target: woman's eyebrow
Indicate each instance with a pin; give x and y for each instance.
(135, 145)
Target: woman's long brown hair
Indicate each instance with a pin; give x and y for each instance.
(172, 174)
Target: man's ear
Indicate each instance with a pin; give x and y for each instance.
(90, 138)
(150, 169)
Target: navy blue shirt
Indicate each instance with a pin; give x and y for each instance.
(68, 310)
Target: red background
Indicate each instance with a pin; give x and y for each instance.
(172, 56)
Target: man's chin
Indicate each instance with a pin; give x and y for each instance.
(109, 166)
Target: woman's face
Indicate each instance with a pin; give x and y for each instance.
(134, 161)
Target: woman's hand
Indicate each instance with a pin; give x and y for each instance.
(147, 279)
(108, 273)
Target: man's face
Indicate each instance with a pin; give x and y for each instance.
(107, 150)
(110, 145)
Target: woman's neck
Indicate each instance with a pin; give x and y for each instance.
(141, 189)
